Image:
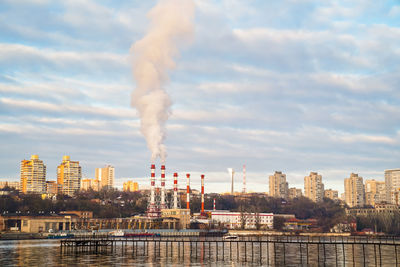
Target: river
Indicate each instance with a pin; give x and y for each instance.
(48, 253)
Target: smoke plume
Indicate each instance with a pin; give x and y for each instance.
(171, 24)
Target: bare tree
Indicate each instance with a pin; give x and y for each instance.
(244, 216)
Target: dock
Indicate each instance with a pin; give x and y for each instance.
(254, 249)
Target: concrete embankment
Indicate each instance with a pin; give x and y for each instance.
(21, 236)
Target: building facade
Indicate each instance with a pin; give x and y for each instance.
(130, 186)
(295, 193)
(51, 188)
(33, 176)
(106, 176)
(375, 192)
(392, 182)
(278, 187)
(354, 191)
(235, 220)
(313, 187)
(88, 184)
(332, 194)
(182, 214)
(69, 175)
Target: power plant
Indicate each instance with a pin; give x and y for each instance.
(157, 203)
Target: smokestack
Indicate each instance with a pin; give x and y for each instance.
(187, 190)
(202, 195)
(175, 190)
(214, 204)
(244, 179)
(231, 173)
(163, 205)
(152, 209)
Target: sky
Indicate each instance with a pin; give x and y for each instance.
(289, 85)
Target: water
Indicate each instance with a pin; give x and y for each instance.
(48, 253)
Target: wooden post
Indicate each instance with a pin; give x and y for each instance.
(284, 253)
(245, 251)
(380, 255)
(344, 254)
(216, 250)
(223, 250)
(237, 251)
(336, 256)
(301, 255)
(252, 251)
(363, 250)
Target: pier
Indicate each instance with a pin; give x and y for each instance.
(277, 250)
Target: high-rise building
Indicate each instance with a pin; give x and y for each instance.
(106, 176)
(354, 191)
(51, 188)
(375, 192)
(294, 192)
(130, 186)
(69, 175)
(88, 184)
(33, 175)
(332, 194)
(392, 182)
(278, 187)
(313, 187)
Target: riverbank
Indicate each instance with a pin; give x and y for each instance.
(21, 236)
(275, 233)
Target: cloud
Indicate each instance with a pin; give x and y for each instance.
(289, 85)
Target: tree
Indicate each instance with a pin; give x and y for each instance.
(279, 222)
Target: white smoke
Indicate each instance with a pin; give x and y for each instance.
(171, 25)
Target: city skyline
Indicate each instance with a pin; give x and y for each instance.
(281, 188)
(294, 87)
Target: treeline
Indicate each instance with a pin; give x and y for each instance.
(113, 203)
(104, 204)
(386, 222)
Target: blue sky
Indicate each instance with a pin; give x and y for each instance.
(294, 86)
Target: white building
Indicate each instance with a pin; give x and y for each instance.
(233, 220)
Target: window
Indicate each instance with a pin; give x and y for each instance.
(25, 223)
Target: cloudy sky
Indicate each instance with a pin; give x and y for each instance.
(294, 86)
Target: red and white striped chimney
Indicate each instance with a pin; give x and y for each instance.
(152, 209)
(214, 204)
(153, 184)
(175, 190)
(202, 195)
(187, 190)
(163, 205)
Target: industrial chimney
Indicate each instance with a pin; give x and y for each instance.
(175, 190)
(151, 208)
(163, 205)
(202, 196)
(214, 204)
(187, 190)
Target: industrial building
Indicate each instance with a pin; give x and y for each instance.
(234, 220)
